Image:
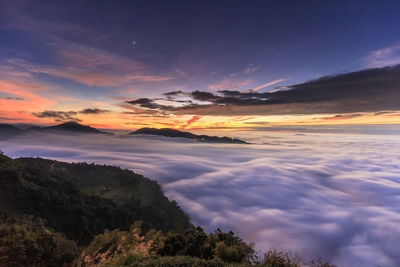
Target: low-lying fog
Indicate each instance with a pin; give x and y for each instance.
(320, 195)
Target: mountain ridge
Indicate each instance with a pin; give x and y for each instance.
(168, 132)
(73, 126)
(8, 130)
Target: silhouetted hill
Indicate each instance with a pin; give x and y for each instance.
(176, 133)
(7, 130)
(82, 200)
(72, 126)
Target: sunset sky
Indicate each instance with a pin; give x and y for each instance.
(200, 65)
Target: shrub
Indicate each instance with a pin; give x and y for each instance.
(28, 245)
(118, 247)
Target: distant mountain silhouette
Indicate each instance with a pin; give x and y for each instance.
(7, 130)
(71, 126)
(168, 132)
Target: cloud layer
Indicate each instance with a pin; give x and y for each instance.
(333, 196)
(369, 90)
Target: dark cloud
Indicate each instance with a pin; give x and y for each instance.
(147, 103)
(372, 90)
(339, 117)
(384, 112)
(12, 98)
(57, 115)
(203, 96)
(347, 116)
(174, 93)
(67, 115)
(93, 111)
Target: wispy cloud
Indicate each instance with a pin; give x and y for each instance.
(90, 66)
(73, 56)
(251, 68)
(383, 57)
(179, 71)
(266, 85)
(19, 17)
(228, 84)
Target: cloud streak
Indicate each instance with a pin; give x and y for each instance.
(74, 60)
(228, 84)
(266, 85)
(251, 68)
(191, 121)
(383, 57)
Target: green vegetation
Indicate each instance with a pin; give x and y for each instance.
(124, 196)
(191, 248)
(218, 245)
(81, 206)
(74, 203)
(59, 214)
(32, 244)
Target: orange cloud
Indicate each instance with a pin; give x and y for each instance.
(30, 100)
(93, 77)
(192, 120)
(27, 102)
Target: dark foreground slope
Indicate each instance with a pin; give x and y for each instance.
(176, 133)
(82, 200)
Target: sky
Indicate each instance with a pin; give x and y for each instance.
(200, 65)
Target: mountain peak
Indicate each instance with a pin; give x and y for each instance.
(73, 126)
(71, 123)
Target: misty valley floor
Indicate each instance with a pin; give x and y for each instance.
(321, 195)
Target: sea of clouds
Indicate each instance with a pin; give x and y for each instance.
(320, 195)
